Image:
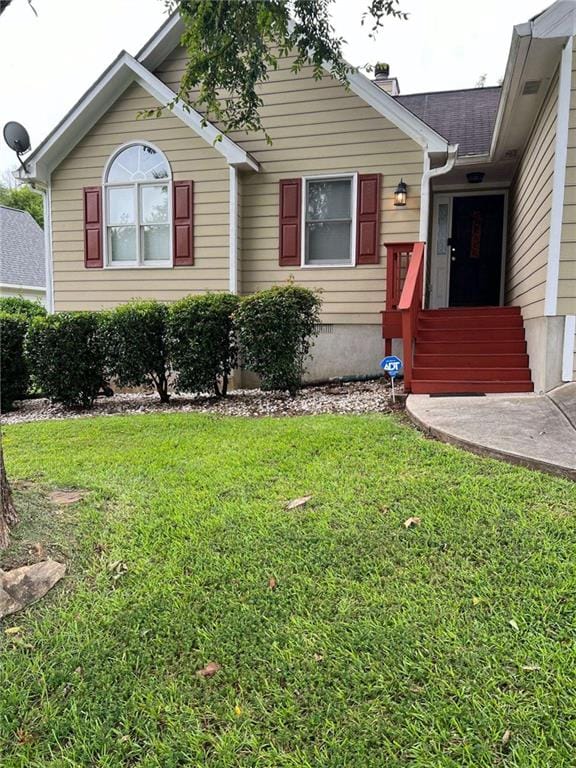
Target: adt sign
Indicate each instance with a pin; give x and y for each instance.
(391, 365)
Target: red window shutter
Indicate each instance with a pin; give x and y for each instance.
(93, 228)
(368, 219)
(183, 213)
(290, 218)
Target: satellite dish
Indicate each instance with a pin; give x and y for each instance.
(16, 136)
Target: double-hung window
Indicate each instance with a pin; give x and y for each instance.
(138, 208)
(329, 205)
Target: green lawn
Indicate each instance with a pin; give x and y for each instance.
(380, 646)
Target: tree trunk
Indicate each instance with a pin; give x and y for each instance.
(8, 514)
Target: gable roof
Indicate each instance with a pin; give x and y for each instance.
(123, 71)
(21, 249)
(466, 117)
(163, 42)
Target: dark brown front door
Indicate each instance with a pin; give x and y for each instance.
(476, 250)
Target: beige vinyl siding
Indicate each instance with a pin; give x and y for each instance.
(530, 207)
(567, 267)
(318, 127)
(190, 158)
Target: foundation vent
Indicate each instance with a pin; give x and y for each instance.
(324, 328)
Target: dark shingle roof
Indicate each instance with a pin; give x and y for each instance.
(465, 117)
(21, 249)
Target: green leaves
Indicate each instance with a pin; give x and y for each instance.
(231, 45)
(135, 338)
(66, 356)
(14, 371)
(276, 328)
(203, 342)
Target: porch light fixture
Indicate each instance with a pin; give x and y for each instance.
(475, 177)
(400, 194)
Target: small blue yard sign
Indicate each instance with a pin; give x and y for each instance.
(391, 365)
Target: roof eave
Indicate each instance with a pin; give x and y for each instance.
(123, 71)
(168, 36)
(535, 46)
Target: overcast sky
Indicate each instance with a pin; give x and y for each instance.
(47, 62)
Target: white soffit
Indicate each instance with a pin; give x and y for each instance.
(123, 71)
(168, 37)
(534, 57)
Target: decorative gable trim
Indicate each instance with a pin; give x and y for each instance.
(124, 71)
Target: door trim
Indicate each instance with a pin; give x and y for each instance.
(439, 296)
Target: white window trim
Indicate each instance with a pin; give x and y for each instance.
(106, 185)
(353, 204)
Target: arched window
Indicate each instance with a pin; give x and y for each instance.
(138, 208)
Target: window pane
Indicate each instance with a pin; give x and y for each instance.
(328, 242)
(122, 243)
(156, 243)
(138, 163)
(329, 199)
(154, 205)
(121, 206)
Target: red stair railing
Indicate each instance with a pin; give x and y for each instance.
(410, 305)
(398, 257)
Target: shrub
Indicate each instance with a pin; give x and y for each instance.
(203, 344)
(275, 330)
(66, 356)
(13, 369)
(136, 345)
(15, 305)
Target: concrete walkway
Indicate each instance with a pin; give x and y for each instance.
(537, 431)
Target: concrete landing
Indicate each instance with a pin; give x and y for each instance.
(537, 431)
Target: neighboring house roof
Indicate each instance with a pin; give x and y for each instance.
(21, 249)
(105, 91)
(465, 117)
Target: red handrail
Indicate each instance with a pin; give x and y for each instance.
(398, 257)
(410, 305)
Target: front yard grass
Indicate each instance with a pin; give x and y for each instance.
(447, 644)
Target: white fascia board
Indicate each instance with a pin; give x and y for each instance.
(233, 153)
(162, 43)
(18, 287)
(402, 118)
(168, 36)
(519, 47)
(122, 72)
(556, 21)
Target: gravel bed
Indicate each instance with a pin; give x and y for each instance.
(351, 397)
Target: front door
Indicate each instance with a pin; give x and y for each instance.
(476, 250)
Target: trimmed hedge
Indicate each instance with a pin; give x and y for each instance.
(14, 376)
(135, 338)
(275, 329)
(203, 344)
(15, 305)
(66, 356)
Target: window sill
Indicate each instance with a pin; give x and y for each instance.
(327, 266)
(155, 265)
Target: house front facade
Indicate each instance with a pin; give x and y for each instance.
(472, 276)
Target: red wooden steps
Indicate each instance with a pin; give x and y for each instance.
(470, 350)
(470, 360)
(422, 387)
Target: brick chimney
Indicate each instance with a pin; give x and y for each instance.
(383, 80)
